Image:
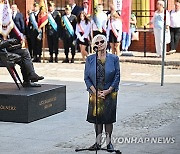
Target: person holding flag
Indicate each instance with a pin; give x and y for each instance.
(42, 22)
(53, 30)
(69, 25)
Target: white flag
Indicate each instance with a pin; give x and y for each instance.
(6, 22)
(118, 5)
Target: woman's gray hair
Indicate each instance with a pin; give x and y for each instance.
(97, 36)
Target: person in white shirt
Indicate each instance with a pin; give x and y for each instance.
(175, 27)
(99, 21)
(114, 32)
(158, 26)
(83, 29)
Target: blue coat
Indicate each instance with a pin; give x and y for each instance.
(112, 72)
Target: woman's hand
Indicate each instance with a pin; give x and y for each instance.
(104, 93)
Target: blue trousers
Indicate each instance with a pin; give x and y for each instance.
(126, 39)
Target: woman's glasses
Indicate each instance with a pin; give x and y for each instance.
(97, 43)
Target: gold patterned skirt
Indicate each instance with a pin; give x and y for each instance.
(106, 109)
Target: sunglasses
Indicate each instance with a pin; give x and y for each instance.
(85, 2)
(97, 43)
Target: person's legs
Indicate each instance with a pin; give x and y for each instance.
(50, 45)
(27, 67)
(117, 49)
(30, 46)
(108, 130)
(83, 52)
(158, 41)
(128, 37)
(34, 45)
(98, 131)
(39, 49)
(124, 40)
(66, 51)
(73, 51)
(176, 38)
(132, 30)
(112, 48)
(56, 46)
(172, 46)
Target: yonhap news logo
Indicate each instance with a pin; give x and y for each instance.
(143, 140)
(104, 139)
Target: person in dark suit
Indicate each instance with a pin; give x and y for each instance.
(75, 9)
(53, 29)
(36, 43)
(106, 82)
(18, 18)
(69, 25)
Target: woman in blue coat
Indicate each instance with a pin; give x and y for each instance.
(108, 78)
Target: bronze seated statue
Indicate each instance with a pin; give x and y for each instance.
(20, 56)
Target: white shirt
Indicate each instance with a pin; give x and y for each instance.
(103, 19)
(68, 16)
(175, 19)
(73, 6)
(86, 10)
(14, 14)
(86, 28)
(36, 13)
(117, 27)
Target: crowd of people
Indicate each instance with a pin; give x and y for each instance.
(76, 28)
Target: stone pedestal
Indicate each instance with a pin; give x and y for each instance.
(30, 104)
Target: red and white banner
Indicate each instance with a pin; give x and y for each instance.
(6, 22)
(126, 15)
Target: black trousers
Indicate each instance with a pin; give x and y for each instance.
(175, 37)
(29, 46)
(53, 44)
(25, 64)
(36, 44)
(68, 43)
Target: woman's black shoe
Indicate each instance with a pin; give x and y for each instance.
(94, 147)
(110, 147)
